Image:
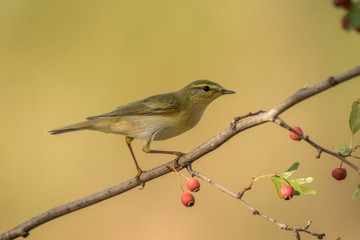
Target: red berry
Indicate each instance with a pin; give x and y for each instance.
(187, 199)
(339, 173)
(345, 23)
(193, 185)
(343, 3)
(287, 192)
(295, 137)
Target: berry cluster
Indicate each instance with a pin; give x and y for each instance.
(187, 198)
(192, 184)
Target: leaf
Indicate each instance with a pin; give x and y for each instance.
(345, 150)
(300, 190)
(303, 180)
(295, 183)
(354, 120)
(290, 171)
(278, 183)
(339, 238)
(305, 190)
(357, 190)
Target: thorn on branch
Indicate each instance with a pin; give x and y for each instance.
(319, 153)
(308, 225)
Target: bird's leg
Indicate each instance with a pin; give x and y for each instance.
(137, 177)
(178, 154)
(175, 161)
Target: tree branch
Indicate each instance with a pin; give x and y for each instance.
(316, 146)
(210, 145)
(283, 226)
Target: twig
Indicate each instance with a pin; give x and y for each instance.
(240, 194)
(283, 226)
(316, 146)
(250, 114)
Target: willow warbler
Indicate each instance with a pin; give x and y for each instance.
(155, 118)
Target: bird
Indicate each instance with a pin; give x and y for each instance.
(155, 118)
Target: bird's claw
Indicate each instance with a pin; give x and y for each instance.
(137, 178)
(178, 156)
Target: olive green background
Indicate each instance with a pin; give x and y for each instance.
(62, 61)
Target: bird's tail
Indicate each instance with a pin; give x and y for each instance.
(73, 127)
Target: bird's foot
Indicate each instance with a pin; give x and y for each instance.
(137, 178)
(175, 162)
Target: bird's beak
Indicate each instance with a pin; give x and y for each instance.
(224, 91)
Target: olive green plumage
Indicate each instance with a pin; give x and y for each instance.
(154, 118)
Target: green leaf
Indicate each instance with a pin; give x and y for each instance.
(300, 190)
(354, 120)
(302, 180)
(295, 183)
(290, 171)
(278, 182)
(357, 190)
(305, 190)
(339, 238)
(345, 150)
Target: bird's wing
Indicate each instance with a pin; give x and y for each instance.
(163, 103)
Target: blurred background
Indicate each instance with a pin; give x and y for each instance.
(62, 61)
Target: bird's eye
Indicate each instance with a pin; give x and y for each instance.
(206, 88)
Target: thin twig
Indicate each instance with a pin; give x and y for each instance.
(250, 114)
(240, 194)
(283, 226)
(315, 145)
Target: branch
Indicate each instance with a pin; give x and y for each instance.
(283, 226)
(210, 145)
(320, 149)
